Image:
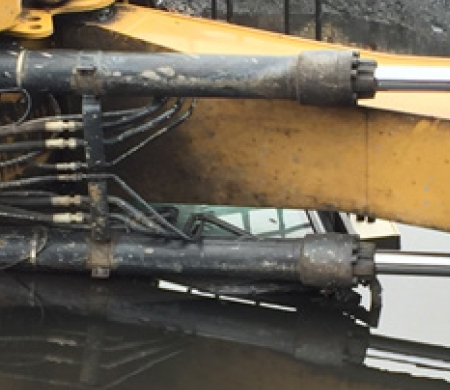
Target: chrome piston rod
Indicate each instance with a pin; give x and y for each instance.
(397, 78)
(412, 263)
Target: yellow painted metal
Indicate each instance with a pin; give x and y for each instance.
(193, 35)
(9, 12)
(33, 24)
(265, 153)
(38, 23)
(274, 153)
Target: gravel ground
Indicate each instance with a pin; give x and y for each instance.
(409, 26)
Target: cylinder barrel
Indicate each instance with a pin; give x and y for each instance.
(322, 77)
(325, 260)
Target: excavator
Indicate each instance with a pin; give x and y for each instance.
(114, 112)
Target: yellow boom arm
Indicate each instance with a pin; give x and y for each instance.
(388, 158)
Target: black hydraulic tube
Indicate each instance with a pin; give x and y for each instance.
(60, 143)
(324, 77)
(329, 260)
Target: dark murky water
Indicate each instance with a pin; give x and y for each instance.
(61, 332)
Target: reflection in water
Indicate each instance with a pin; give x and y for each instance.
(67, 332)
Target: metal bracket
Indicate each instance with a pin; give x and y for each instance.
(85, 76)
(95, 159)
(33, 22)
(99, 261)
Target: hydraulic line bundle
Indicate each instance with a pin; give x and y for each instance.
(110, 234)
